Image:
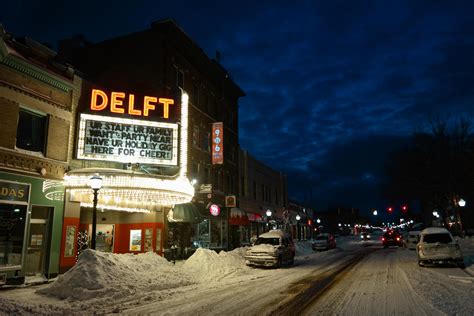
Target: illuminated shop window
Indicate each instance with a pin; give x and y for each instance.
(31, 131)
(135, 240)
(12, 223)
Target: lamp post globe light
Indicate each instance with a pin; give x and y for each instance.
(462, 203)
(95, 182)
(269, 213)
(375, 212)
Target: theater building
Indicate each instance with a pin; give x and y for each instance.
(36, 95)
(150, 108)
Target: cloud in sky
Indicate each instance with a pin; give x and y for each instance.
(330, 84)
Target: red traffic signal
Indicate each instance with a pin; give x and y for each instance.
(390, 209)
(404, 208)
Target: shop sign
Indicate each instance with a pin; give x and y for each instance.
(100, 102)
(217, 143)
(230, 201)
(215, 210)
(17, 192)
(127, 140)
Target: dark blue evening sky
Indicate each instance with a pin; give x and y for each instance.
(332, 86)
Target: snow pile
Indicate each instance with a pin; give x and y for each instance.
(99, 274)
(207, 265)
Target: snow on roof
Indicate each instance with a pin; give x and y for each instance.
(435, 230)
(273, 233)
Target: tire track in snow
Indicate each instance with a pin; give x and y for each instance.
(375, 286)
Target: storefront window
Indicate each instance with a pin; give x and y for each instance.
(12, 229)
(202, 235)
(135, 240)
(218, 234)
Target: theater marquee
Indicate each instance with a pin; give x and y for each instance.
(127, 140)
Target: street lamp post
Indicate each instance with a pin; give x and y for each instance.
(269, 214)
(298, 217)
(461, 204)
(95, 183)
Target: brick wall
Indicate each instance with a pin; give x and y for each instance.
(8, 123)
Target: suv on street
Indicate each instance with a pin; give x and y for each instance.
(273, 248)
(437, 245)
(392, 238)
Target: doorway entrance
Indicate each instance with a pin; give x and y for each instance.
(38, 243)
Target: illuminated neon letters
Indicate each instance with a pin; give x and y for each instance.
(100, 101)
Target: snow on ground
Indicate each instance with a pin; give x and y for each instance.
(115, 276)
(102, 280)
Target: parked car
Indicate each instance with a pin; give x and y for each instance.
(324, 241)
(392, 238)
(412, 239)
(273, 248)
(437, 245)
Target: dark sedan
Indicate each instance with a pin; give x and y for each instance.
(392, 238)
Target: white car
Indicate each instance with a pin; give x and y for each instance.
(272, 248)
(437, 245)
(412, 239)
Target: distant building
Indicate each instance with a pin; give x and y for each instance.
(302, 221)
(262, 189)
(36, 100)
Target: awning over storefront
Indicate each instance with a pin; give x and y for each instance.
(127, 190)
(255, 217)
(184, 213)
(238, 217)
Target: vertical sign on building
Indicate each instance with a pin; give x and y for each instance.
(217, 143)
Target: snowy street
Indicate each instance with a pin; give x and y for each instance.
(357, 278)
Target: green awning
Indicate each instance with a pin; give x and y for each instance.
(184, 213)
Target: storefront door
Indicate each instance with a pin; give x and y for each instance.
(38, 241)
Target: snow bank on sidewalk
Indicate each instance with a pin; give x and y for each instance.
(99, 274)
(207, 265)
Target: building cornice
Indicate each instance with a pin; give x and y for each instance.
(32, 70)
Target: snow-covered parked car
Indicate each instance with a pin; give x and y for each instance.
(437, 245)
(412, 239)
(273, 248)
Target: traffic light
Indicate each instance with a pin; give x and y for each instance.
(390, 209)
(404, 208)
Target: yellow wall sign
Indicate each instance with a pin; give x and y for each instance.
(14, 191)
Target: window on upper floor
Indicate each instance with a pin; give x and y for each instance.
(206, 175)
(179, 78)
(195, 171)
(205, 144)
(255, 190)
(32, 131)
(196, 136)
(195, 95)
